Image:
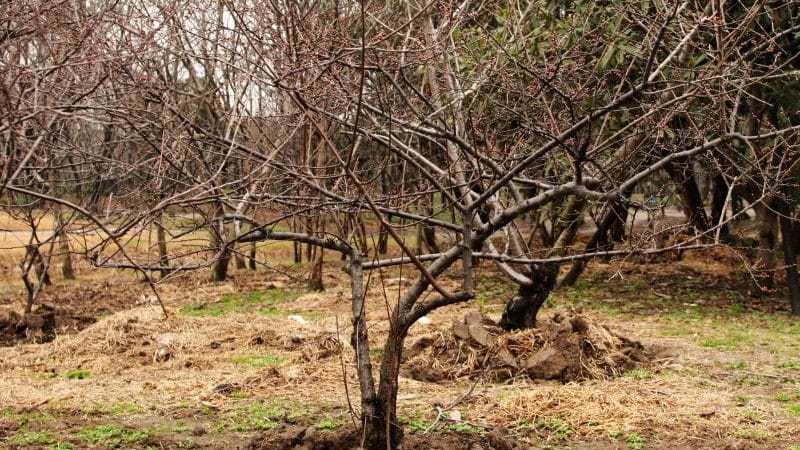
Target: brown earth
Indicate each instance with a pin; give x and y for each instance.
(566, 346)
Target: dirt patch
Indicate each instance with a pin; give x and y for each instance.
(566, 346)
(40, 325)
(298, 437)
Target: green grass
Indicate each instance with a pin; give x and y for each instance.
(116, 410)
(639, 374)
(634, 441)
(790, 365)
(794, 409)
(78, 374)
(263, 302)
(32, 438)
(329, 424)
(258, 416)
(61, 446)
(259, 361)
(114, 436)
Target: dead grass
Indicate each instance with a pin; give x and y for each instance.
(689, 395)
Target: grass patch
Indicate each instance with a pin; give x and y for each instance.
(329, 424)
(78, 374)
(794, 409)
(790, 365)
(634, 441)
(258, 416)
(32, 438)
(112, 435)
(733, 341)
(263, 302)
(639, 374)
(258, 361)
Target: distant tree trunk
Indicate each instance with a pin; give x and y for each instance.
(720, 194)
(767, 237)
(38, 264)
(315, 278)
(67, 271)
(600, 238)
(689, 192)
(789, 239)
(251, 260)
(426, 235)
(163, 255)
(383, 238)
(219, 271)
(238, 257)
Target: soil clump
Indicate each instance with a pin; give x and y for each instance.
(565, 347)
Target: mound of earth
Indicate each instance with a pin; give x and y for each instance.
(564, 347)
(40, 325)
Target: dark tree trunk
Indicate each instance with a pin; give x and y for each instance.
(720, 194)
(599, 239)
(315, 277)
(251, 260)
(689, 192)
(219, 272)
(767, 238)
(239, 259)
(163, 256)
(521, 311)
(788, 230)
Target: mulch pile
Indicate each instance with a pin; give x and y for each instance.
(565, 347)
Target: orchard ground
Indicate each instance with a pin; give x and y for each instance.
(259, 362)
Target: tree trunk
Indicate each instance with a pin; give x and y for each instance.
(788, 230)
(767, 237)
(67, 271)
(689, 192)
(251, 260)
(315, 278)
(720, 194)
(238, 257)
(163, 255)
(219, 271)
(521, 311)
(599, 239)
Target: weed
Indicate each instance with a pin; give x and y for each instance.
(782, 397)
(751, 433)
(790, 365)
(112, 435)
(416, 422)
(61, 446)
(262, 301)
(258, 361)
(78, 374)
(615, 434)
(639, 374)
(731, 342)
(32, 438)
(186, 444)
(328, 424)
(737, 365)
(634, 441)
(794, 409)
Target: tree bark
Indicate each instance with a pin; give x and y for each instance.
(767, 237)
(719, 195)
(689, 192)
(163, 255)
(789, 238)
(521, 311)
